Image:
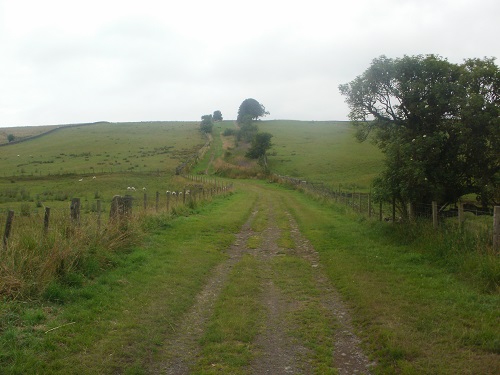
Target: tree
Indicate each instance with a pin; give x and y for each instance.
(217, 116)
(420, 111)
(250, 109)
(206, 125)
(10, 137)
(260, 144)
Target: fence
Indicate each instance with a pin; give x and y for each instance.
(363, 203)
(122, 207)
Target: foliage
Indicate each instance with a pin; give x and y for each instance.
(207, 124)
(250, 109)
(260, 144)
(217, 116)
(436, 122)
(10, 137)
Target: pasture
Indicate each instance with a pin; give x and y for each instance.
(235, 267)
(54, 168)
(322, 151)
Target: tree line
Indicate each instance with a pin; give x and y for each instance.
(437, 123)
(249, 111)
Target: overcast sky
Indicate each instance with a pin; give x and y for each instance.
(65, 61)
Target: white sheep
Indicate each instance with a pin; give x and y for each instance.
(81, 179)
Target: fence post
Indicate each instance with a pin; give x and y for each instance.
(461, 214)
(145, 201)
(157, 200)
(75, 210)
(168, 201)
(127, 201)
(184, 196)
(410, 211)
(393, 208)
(46, 220)
(434, 214)
(380, 211)
(99, 211)
(369, 205)
(8, 226)
(114, 211)
(359, 202)
(496, 227)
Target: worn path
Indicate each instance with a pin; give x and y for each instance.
(278, 347)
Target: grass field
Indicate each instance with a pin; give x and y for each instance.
(322, 151)
(103, 148)
(416, 308)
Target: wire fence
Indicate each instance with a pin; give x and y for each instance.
(99, 213)
(388, 211)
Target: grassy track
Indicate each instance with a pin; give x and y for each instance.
(415, 315)
(415, 318)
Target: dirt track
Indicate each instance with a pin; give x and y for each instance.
(278, 352)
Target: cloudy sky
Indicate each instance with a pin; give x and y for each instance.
(67, 61)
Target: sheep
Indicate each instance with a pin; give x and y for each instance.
(93, 178)
(81, 179)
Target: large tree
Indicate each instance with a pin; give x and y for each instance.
(217, 116)
(420, 110)
(250, 109)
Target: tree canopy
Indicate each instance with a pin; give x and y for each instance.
(438, 124)
(206, 124)
(250, 109)
(217, 116)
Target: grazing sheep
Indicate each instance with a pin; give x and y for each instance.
(81, 179)
(93, 178)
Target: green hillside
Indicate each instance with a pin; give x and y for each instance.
(322, 151)
(103, 147)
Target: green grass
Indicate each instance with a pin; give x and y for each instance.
(103, 148)
(415, 315)
(322, 151)
(136, 305)
(227, 345)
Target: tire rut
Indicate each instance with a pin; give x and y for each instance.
(277, 352)
(182, 349)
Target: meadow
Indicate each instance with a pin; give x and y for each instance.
(322, 151)
(108, 299)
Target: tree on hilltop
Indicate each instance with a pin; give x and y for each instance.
(207, 124)
(250, 109)
(217, 116)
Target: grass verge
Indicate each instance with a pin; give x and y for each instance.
(115, 322)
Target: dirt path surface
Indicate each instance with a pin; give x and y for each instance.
(278, 352)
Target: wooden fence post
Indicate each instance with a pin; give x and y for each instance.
(114, 211)
(8, 226)
(168, 201)
(46, 219)
(99, 210)
(393, 208)
(127, 205)
(145, 201)
(434, 214)
(410, 211)
(75, 210)
(184, 196)
(496, 227)
(380, 211)
(461, 217)
(157, 200)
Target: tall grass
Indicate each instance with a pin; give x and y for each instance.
(67, 253)
(468, 252)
